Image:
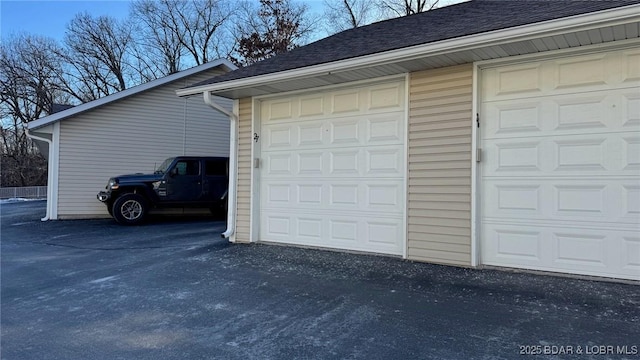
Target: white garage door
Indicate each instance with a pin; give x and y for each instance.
(561, 165)
(333, 169)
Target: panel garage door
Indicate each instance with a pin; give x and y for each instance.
(561, 165)
(332, 172)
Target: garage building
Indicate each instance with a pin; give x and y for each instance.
(486, 133)
(131, 131)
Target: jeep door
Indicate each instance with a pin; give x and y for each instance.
(216, 179)
(184, 181)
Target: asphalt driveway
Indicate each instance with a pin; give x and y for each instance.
(174, 290)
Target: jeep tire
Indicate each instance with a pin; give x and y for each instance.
(129, 209)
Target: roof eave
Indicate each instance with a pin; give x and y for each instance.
(530, 31)
(36, 124)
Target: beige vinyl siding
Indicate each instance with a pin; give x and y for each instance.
(133, 135)
(439, 192)
(243, 212)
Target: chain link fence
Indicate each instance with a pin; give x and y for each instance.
(27, 192)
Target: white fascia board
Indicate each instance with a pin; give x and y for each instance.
(587, 21)
(128, 92)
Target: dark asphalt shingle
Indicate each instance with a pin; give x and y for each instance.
(473, 17)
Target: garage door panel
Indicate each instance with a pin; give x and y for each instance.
(611, 154)
(384, 161)
(384, 129)
(561, 249)
(278, 110)
(630, 202)
(586, 73)
(560, 173)
(386, 97)
(581, 72)
(508, 157)
(587, 201)
(359, 233)
(513, 245)
(374, 130)
(631, 254)
(278, 194)
(375, 197)
(513, 199)
(310, 134)
(311, 106)
(581, 153)
(630, 104)
(280, 136)
(310, 163)
(583, 113)
(278, 164)
(631, 153)
(631, 65)
(341, 163)
(517, 80)
(386, 197)
(580, 248)
(345, 162)
(606, 202)
(347, 101)
(345, 131)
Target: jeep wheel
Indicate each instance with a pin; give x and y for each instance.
(129, 209)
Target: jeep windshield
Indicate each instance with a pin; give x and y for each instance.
(164, 166)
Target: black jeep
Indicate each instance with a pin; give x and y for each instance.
(180, 182)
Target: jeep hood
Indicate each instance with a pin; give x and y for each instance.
(138, 178)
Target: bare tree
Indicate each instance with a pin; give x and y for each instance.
(97, 51)
(277, 26)
(397, 8)
(160, 51)
(29, 85)
(341, 15)
(179, 33)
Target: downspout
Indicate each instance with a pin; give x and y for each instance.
(49, 173)
(233, 163)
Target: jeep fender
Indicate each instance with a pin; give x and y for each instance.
(141, 189)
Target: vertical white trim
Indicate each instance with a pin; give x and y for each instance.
(184, 128)
(254, 208)
(474, 167)
(405, 223)
(54, 171)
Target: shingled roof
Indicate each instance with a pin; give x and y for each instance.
(468, 18)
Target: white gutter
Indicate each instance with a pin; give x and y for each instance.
(233, 160)
(587, 21)
(50, 165)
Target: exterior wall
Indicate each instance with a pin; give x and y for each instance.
(439, 191)
(134, 135)
(243, 213)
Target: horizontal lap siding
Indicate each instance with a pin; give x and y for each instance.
(134, 135)
(244, 172)
(439, 193)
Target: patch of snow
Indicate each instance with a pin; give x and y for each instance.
(97, 281)
(15, 200)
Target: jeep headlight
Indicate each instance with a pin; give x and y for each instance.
(113, 184)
